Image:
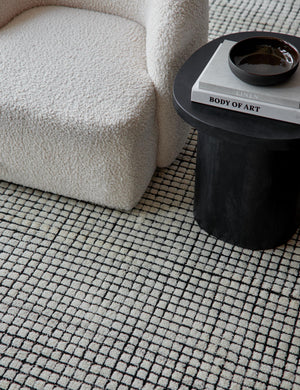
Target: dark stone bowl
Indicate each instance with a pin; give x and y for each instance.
(263, 60)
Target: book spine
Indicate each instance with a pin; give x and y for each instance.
(276, 98)
(246, 106)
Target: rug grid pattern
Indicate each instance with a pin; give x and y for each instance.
(93, 298)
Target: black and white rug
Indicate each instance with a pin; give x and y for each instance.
(92, 298)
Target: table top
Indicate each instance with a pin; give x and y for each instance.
(228, 124)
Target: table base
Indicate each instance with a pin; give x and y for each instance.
(247, 195)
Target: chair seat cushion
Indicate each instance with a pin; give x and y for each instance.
(77, 106)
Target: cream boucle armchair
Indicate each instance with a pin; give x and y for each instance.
(85, 93)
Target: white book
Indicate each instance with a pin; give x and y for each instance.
(218, 80)
(247, 106)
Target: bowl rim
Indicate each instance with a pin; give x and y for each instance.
(292, 49)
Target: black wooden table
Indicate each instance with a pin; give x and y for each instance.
(248, 167)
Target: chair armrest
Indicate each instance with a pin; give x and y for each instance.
(175, 29)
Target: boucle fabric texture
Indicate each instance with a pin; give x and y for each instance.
(87, 93)
(97, 299)
(71, 120)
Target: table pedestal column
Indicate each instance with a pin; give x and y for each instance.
(247, 195)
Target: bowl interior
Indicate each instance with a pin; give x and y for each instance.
(264, 56)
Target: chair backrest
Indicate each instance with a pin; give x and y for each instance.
(131, 9)
(174, 30)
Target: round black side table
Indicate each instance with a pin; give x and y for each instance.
(247, 172)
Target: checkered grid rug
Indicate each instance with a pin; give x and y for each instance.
(93, 298)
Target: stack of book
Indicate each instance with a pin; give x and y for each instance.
(218, 86)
